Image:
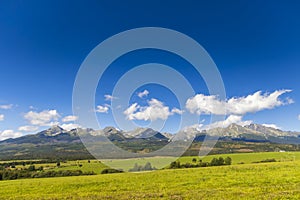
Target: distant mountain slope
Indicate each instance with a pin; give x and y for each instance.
(253, 132)
(56, 143)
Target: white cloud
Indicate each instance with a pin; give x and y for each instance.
(131, 110)
(231, 119)
(9, 134)
(28, 128)
(70, 118)
(102, 109)
(154, 111)
(70, 126)
(299, 117)
(44, 118)
(109, 97)
(6, 107)
(202, 104)
(1, 117)
(177, 111)
(143, 94)
(272, 126)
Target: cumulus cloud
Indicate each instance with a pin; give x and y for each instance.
(1, 117)
(70, 126)
(6, 134)
(143, 94)
(202, 104)
(102, 109)
(6, 107)
(154, 111)
(44, 118)
(272, 126)
(109, 97)
(70, 118)
(177, 111)
(28, 128)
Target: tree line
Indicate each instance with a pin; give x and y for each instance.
(214, 162)
(33, 172)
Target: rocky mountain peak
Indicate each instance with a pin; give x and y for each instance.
(53, 131)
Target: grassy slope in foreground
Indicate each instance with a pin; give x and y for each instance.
(249, 181)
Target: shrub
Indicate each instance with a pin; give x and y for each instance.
(110, 171)
(228, 161)
(175, 165)
(137, 168)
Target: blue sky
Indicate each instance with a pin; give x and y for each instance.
(43, 43)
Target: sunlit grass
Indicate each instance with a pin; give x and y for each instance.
(278, 180)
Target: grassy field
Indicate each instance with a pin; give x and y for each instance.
(97, 167)
(277, 180)
(249, 181)
(240, 158)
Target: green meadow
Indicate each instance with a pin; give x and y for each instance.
(97, 166)
(250, 181)
(276, 180)
(241, 158)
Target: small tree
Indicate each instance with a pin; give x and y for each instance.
(175, 165)
(214, 162)
(228, 161)
(194, 160)
(148, 167)
(221, 161)
(58, 164)
(135, 168)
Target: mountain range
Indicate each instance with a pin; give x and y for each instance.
(56, 142)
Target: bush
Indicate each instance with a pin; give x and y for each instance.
(228, 161)
(220, 161)
(137, 168)
(110, 171)
(175, 165)
(266, 161)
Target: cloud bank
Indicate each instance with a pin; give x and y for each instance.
(202, 104)
(9, 134)
(70, 118)
(44, 118)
